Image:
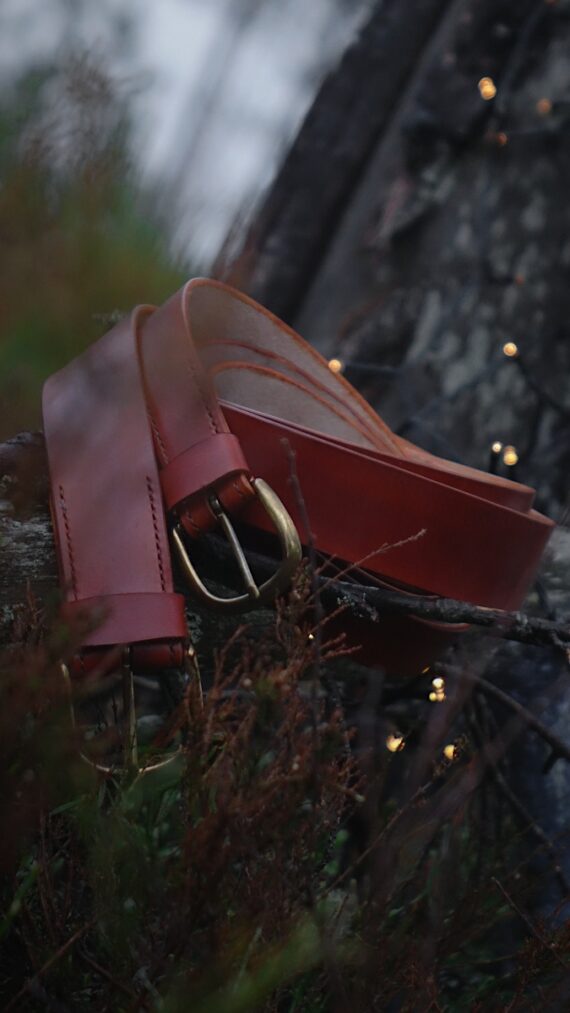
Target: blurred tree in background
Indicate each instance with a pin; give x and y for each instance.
(79, 235)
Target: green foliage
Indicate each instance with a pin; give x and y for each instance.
(80, 239)
(196, 879)
(233, 879)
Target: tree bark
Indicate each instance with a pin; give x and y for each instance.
(450, 237)
(318, 178)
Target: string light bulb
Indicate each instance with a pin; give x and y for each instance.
(510, 349)
(335, 365)
(496, 448)
(487, 88)
(510, 457)
(544, 107)
(450, 751)
(395, 743)
(497, 137)
(438, 682)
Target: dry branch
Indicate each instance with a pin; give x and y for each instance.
(27, 562)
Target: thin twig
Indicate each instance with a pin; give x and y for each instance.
(558, 746)
(497, 622)
(14, 1003)
(529, 924)
(526, 817)
(102, 971)
(369, 602)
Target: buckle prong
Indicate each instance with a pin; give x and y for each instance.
(290, 549)
(252, 588)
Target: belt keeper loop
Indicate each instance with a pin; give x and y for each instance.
(201, 467)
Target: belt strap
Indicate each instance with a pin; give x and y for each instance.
(171, 413)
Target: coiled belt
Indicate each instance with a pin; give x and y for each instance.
(185, 417)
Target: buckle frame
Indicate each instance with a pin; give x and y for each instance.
(254, 595)
(130, 767)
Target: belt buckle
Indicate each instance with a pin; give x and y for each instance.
(254, 595)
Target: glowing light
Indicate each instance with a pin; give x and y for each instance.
(335, 365)
(450, 751)
(510, 349)
(395, 743)
(497, 447)
(497, 137)
(544, 107)
(425, 670)
(433, 697)
(311, 636)
(510, 456)
(438, 682)
(487, 88)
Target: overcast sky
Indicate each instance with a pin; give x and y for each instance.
(217, 96)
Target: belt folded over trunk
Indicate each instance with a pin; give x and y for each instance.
(185, 417)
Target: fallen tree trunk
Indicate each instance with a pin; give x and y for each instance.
(28, 568)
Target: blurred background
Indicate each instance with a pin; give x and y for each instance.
(133, 136)
(390, 177)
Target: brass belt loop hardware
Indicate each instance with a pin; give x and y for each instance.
(130, 743)
(290, 548)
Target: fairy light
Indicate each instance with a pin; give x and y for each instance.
(437, 694)
(335, 365)
(510, 457)
(487, 88)
(510, 349)
(450, 751)
(498, 137)
(395, 743)
(544, 107)
(496, 448)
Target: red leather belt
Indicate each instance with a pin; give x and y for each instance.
(185, 416)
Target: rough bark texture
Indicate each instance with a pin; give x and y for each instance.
(452, 238)
(319, 175)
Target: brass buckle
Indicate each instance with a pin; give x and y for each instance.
(131, 767)
(254, 595)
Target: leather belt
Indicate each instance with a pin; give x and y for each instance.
(154, 435)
